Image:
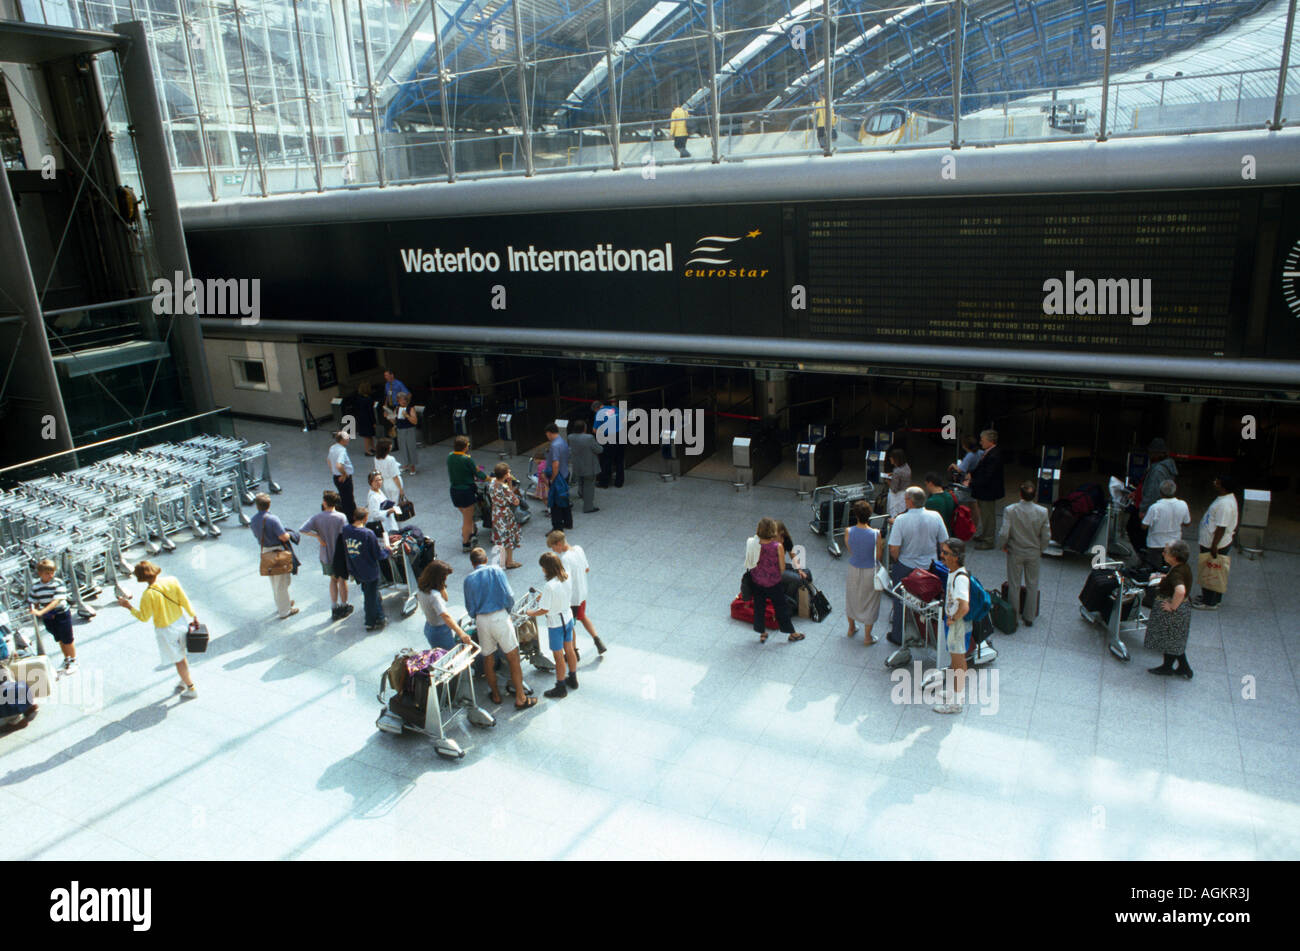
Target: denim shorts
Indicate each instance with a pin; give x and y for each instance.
(440, 636)
(561, 635)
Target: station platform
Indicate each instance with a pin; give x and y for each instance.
(687, 739)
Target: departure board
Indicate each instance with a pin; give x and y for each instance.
(1137, 274)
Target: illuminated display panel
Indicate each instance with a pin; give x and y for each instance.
(974, 272)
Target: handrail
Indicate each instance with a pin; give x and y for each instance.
(105, 442)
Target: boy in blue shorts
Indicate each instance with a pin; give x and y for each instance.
(49, 602)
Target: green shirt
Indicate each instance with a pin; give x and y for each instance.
(942, 503)
(461, 469)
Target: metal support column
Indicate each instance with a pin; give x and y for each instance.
(370, 94)
(828, 61)
(1105, 71)
(958, 55)
(198, 103)
(248, 91)
(1276, 124)
(38, 382)
(521, 69)
(443, 76)
(614, 130)
(715, 108)
(306, 97)
(141, 96)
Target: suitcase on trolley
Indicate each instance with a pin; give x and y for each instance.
(1081, 536)
(1098, 595)
(1063, 521)
(924, 585)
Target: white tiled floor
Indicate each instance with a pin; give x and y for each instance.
(686, 740)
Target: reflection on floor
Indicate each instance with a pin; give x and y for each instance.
(687, 739)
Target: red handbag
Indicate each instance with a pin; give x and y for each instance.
(743, 610)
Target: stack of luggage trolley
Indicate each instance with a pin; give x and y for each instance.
(86, 519)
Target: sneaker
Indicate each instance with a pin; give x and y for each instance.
(600, 645)
(947, 708)
(190, 693)
(571, 681)
(336, 612)
(556, 692)
(70, 666)
(345, 610)
(1200, 605)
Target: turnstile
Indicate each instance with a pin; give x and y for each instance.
(754, 457)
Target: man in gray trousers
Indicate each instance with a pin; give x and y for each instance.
(1026, 530)
(583, 464)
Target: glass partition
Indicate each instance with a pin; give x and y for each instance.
(274, 96)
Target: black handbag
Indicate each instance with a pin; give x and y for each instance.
(405, 510)
(196, 637)
(819, 607)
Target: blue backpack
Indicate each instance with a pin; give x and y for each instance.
(980, 602)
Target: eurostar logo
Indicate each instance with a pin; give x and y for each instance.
(717, 250)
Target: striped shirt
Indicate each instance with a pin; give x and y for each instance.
(43, 592)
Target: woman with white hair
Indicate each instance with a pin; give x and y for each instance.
(1171, 618)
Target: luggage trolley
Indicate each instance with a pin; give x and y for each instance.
(832, 496)
(442, 690)
(922, 624)
(1112, 599)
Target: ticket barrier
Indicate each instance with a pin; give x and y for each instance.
(817, 458)
(754, 457)
(686, 440)
(475, 422)
(881, 441)
(1050, 464)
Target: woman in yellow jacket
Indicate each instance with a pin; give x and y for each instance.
(163, 602)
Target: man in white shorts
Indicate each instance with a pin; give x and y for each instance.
(956, 628)
(488, 600)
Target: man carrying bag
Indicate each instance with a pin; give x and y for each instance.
(278, 562)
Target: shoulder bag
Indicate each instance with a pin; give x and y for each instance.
(274, 562)
(196, 635)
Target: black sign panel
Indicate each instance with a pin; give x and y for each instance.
(678, 270)
(1138, 273)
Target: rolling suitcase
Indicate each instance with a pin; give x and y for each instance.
(1000, 609)
(1006, 594)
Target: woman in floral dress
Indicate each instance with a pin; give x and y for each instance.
(504, 498)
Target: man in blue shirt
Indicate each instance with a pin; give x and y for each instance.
(364, 555)
(557, 470)
(488, 600)
(272, 536)
(392, 387)
(606, 421)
